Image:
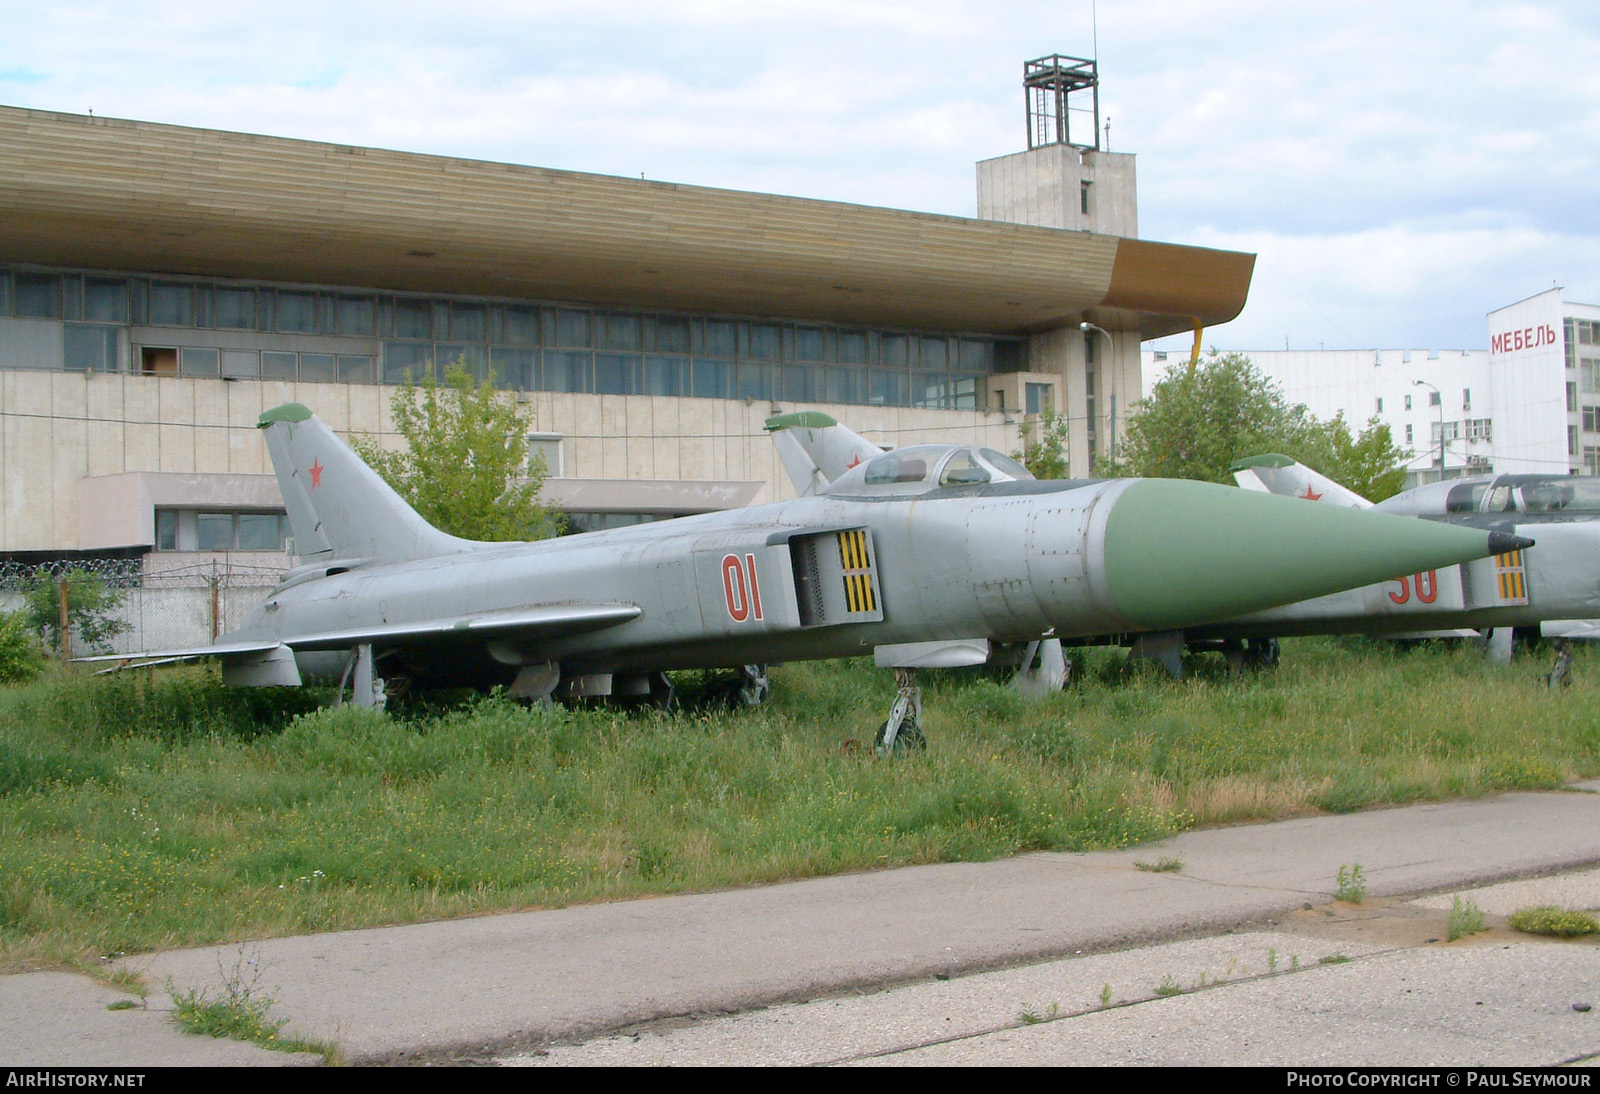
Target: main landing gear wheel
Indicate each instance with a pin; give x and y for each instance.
(902, 732)
(1262, 653)
(910, 738)
(752, 687)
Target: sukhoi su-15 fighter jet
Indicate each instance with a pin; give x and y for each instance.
(1559, 581)
(923, 556)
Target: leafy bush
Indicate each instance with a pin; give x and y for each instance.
(21, 657)
(1550, 920)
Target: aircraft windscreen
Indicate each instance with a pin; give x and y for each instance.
(1560, 496)
(1466, 498)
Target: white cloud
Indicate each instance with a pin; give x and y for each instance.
(1406, 286)
(1402, 168)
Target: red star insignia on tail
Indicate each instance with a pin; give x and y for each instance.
(316, 473)
(1311, 495)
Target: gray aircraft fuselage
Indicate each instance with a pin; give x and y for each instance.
(924, 545)
(721, 589)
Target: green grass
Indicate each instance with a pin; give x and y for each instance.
(138, 815)
(1465, 918)
(1350, 885)
(1550, 920)
(241, 1010)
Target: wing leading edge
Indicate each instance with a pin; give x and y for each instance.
(537, 622)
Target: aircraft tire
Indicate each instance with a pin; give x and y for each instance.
(751, 688)
(909, 739)
(1263, 653)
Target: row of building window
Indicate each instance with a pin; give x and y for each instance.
(250, 530)
(195, 530)
(143, 301)
(1578, 333)
(89, 347)
(1473, 429)
(1585, 332)
(1434, 399)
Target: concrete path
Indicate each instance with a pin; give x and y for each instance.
(487, 987)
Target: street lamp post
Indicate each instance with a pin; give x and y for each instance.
(1111, 347)
(1438, 401)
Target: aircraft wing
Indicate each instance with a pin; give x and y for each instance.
(539, 621)
(190, 653)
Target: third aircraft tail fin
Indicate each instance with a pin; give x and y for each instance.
(1274, 474)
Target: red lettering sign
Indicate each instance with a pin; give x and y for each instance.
(1427, 588)
(755, 586)
(733, 589)
(1526, 338)
(741, 590)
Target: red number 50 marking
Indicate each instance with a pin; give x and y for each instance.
(1427, 588)
(740, 587)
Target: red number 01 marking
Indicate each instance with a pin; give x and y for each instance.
(1427, 588)
(740, 587)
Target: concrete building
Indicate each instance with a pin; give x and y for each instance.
(160, 286)
(1529, 403)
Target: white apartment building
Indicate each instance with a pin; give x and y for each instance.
(1529, 403)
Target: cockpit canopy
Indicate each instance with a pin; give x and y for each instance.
(1501, 494)
(919, 468)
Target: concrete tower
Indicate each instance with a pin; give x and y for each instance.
(1066, 180)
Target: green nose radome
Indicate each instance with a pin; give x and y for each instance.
(1184, 553)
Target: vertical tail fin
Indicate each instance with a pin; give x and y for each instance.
(815, 449)
(1273, 474)
(339, 508)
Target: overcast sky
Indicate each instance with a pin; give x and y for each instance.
(1400, 168)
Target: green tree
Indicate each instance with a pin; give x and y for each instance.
(1044, 446)
(1368, 462)
(465, 468)
(1198, 420)
(90, 604)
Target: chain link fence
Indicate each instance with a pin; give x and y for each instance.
(145, 610)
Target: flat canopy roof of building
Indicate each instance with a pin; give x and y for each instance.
(126, 195)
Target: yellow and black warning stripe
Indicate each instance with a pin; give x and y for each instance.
(858, 592)
(1513, 577)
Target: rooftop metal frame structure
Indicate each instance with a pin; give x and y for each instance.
(1049, 84)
